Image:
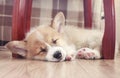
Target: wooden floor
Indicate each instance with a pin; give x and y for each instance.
(20, 68)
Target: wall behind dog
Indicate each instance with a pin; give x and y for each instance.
(44, 10)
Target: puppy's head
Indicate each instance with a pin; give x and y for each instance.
(43, 42)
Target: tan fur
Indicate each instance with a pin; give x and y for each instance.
(70, 38)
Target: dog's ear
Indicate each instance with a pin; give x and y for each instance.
(58, 21)
(17, 47)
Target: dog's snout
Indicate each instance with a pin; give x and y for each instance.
(57, 55)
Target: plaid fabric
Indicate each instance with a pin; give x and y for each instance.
(72, 9)
(44, 10)
(5, 20)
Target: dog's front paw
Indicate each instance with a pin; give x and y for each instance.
(87, 53)
(70, 57)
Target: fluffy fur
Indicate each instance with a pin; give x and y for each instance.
(57, 42)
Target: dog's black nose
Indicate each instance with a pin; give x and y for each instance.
(57, 55)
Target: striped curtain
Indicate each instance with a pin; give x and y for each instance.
(44, 10)
(6, 7)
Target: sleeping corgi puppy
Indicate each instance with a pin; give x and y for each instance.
(57, 42)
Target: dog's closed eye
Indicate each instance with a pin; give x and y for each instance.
(43, 49)
(54, 41)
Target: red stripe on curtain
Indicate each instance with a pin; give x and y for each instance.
(108, 43)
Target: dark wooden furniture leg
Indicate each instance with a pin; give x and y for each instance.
(108, 43)
(87, 13)
(21, 19)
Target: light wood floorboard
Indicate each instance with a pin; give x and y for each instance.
(21, 68)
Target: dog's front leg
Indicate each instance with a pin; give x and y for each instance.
(87, 53)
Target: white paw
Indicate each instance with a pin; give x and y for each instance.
(70, 57)
(87, 53)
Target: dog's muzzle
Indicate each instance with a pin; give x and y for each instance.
(56, 53)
